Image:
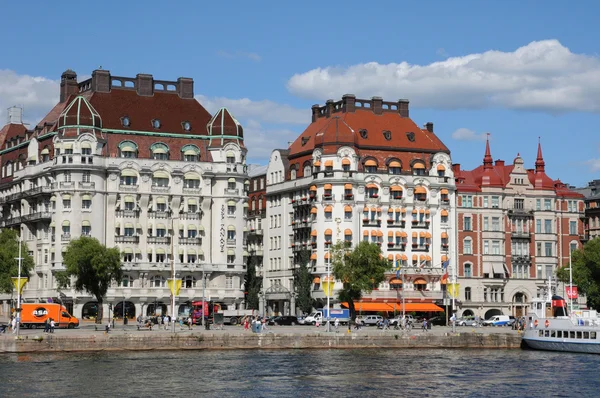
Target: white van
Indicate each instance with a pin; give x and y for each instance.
(497, 320)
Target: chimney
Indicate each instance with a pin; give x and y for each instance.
(403, 107)
(499, 162)
(316, 112)
(185, 87)
(377, 105)
(349, 101)
(68, 84)
(145, 84)
(456, 168)
(101, 81)
(429, 126)
(329, 107)
(15, 115)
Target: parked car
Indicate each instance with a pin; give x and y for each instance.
(284, 320)
(437, 320)
(466, 322)
(497, 320)
(398, 320)
(370, 320)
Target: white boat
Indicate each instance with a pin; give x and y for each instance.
(551, 328)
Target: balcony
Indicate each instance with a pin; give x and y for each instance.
(397, 201)
(521, 259)
(515, 212)
(159, 240)
(65, 237)
(228, 191)
(159, 214)
(128, 188)
(159, 189)
(420, 248)
(420, 225)
(42, 215)
(190, 241)
(348, 197)
(192, 191)
(127, 213)
(373, 199)
(11, 221)
(371, 222)
(521, 235)
(127, 239)
(87, 185)
(328, 197)
(393, 246)
(231, 242)
(396, 223)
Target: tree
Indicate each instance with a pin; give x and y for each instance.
(303, 283)
(9, 266)
(252, 284)
(586, 272)
(359, 269)
(94, 267)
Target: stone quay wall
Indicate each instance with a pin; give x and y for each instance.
(233, 341)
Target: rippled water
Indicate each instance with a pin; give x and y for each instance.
(302, 373)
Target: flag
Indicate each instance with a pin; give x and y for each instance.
(445, 277)
(445, 264)
(398, 274)
(422, 263)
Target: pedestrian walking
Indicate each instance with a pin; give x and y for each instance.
(336, 324)
(425, 324)
(166, 322)
(47, 325)
(189, 322)
(264, 324)
(52, 325)
(13, 325)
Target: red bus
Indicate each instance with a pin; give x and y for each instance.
(209, 309)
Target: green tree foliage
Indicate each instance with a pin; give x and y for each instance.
(586, 272)
(303, 283)
(93, 266)
(252, 284)
(9, 266)
(360, 269)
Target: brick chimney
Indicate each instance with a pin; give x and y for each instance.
(329, 107)
(403, 107)
(68, 84)
(185, 87)
(349, 101)
(145, 84)
(377, 105)
(499, 162)
(456, 168)
(429, 126)
(315, 112)
(101, 81)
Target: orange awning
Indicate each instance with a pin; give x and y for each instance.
(422, 257)
(428, 235)
(444, 235)
(379, 233)
(403, 211)
(329, 163)
(370, 162)
(428, 258)
(327, 256)
(415, 235)
(398, 257)
(444, 258)
(345, 162)
(313, 233)
(396, 188)
(444, 213)
(313, 256)
(347, 209)
(313, 210)
(379, 210)
(317, 280)
(391, 307)
(401, 234)
(313, 188)
(373, 233)
(390, 233)
(444, 191)
(328, 209)
(396, 281)
(394, 163)
(441, 167)
(415, 211)
(422, 307)
(328, 232)
(365, 209)
(418, 166)
(420, 281)
(327, 186)
(347, 186)
(390, 257)
(427, 212)
(372, 186)
(317, 163)
(376, 307)
(415, 257)
(420, 190)
(348, 232)
(365, 233)
(404, 257)
(422, 235)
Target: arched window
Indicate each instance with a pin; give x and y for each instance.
(372, 190)
(191, 180)
(129, 177)
(230, 157)
(441, 170)
(467, 246)
(160, 178)
(418, 169)
(293, 173)
(126, 281)
(260, 202)
(468, 270)
(190, 153)
(420, 193)
(307, 169)
(189, 282)
(159, 151)
(394, 167)
(128, 149)
(157, 281)
(371, 166)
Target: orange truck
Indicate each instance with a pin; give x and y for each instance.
(35, 315)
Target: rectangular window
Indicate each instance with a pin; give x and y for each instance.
(548, 226)
(496, 224)
(86, 230)
(495, 202)
(229, 282)
(539, 249)
(496, 247)
(538, 226)
(549, 272)
(467, 246)
(485, 202)
(547, 204)
(86, 176)
(486, 224)
(519, 204)
(467, 223)
(66, 203)
(486, 247)
(67, 176)
(573, 227)
(538, 204)
(548, 249)
(467, 270)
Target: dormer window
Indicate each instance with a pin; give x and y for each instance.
(410, 136)
(418, 169)
(363, 133)
(125, 121)
(159, 151)
(371, 166)
(304, 140)
(187, 126)
(156, 123)
(387, 135)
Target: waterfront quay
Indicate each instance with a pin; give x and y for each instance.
(129, 338)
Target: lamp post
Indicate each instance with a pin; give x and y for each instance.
(570, 283)
(18, 310)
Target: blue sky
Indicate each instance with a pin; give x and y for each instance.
(519, 70)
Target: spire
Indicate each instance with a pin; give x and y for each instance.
(488, 162)
(539, 162)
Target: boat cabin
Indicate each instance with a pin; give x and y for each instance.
(553, 308)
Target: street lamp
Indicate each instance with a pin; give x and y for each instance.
(19, 287)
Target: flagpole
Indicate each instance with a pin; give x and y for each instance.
(18, 312)
(570, 283)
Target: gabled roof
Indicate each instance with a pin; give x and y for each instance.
(10, 131)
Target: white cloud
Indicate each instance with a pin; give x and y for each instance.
(239, 54)
(261, 141)
(543, 75)
(263, 110)
(594, 165)
(36, 94)
(463, 134)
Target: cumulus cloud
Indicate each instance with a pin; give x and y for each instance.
(594, 165)
(239, 54)
(261, 141)
(464, 134)
(37, 95)
(543, 75)
(262, 110)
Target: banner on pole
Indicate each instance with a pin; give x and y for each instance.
(453, 289)
(174, 286)
(16, 280)
(572, 293)
(327, 286)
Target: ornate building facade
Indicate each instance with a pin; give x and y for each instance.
(592, 210)
(138, 164)
(515, 227)
(362, 170)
